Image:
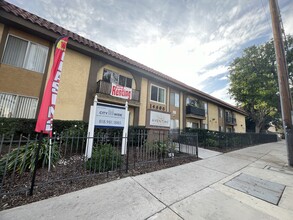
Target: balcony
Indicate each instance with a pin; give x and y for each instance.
(230, 120)
(105, 88)
(195, 112)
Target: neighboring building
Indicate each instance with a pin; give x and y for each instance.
(26, 51)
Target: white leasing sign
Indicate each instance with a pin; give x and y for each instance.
(105, 115)
(159, 119)
(109, 116)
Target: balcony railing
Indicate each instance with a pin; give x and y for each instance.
(230, 120)
(192, 110)
(105, 88)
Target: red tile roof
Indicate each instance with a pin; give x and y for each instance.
(10, 8)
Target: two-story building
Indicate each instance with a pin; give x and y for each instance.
(155, 99)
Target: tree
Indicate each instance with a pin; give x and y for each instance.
(254, 82)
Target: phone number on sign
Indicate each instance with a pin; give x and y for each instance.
(109, 122)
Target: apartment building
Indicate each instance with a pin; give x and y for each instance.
(155, 99)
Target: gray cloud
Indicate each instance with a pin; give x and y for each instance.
(217, 30)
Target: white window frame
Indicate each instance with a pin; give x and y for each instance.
(26, 53)
(205, 105)
(19, 107)
(158, 94)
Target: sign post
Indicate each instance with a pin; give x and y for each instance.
(104, 115)
(125, 131)
(91, 128)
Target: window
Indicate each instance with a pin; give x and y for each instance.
(196, 103)
(195, 125)
(229, 130)
(25, 54)
(204, 126)
(115, 78)
(174, 99)
(124, 81)
(15, 106)
(157, 94)
(174, 124)
(228, 114)
(192, 124)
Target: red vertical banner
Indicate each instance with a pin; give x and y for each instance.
(46, 114)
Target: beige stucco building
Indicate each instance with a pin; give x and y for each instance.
(27, 49)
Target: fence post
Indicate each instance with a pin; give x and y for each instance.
(36, 162)
(196, 145)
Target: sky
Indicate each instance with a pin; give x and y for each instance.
(193, 41)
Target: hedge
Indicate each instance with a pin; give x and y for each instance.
(17, 126)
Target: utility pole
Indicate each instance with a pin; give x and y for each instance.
(285, 95)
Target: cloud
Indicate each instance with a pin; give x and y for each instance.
(192, 41)
(223, 95)
(287, 17)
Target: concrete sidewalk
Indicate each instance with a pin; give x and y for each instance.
(197, 190)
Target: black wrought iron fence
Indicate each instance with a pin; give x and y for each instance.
(227, 141)
(63, 157)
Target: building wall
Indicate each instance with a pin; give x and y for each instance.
(182, 109)
(241, 126)
(1, 31)
(143, 102)
(18, 80)
(213, 122)
(73, 84)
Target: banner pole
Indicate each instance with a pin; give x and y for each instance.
(36, 163)
(50, 152)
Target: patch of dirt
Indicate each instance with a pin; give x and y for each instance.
(82, 179)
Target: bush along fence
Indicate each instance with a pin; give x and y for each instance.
(229, 141)
(145, 149)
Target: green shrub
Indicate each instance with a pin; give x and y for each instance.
(73, 128)
(104, 158)
(23, 158)
(211, 143)
(23, 126)
(161, 148)
(17, 126)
